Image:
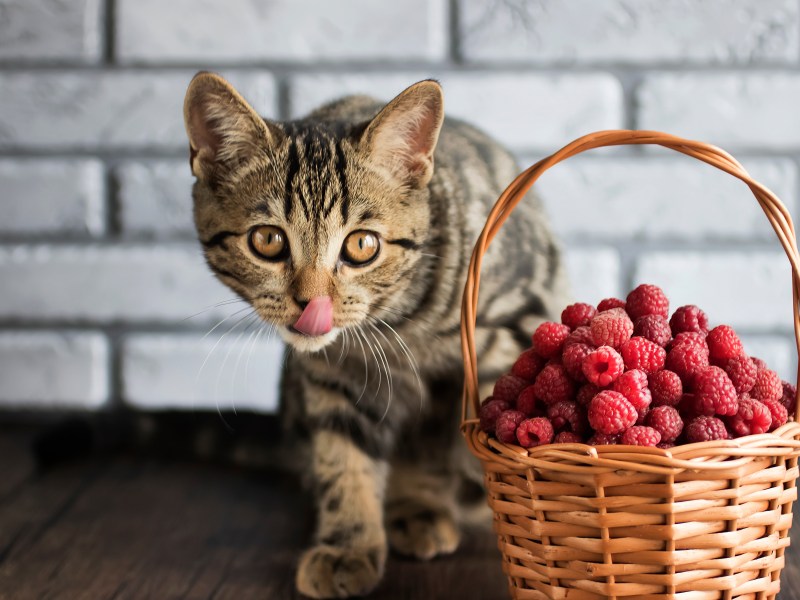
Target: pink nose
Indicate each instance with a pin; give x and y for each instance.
(317, 317)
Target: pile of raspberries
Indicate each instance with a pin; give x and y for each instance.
(627, 372)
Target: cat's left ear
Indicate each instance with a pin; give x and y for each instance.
(402, 137)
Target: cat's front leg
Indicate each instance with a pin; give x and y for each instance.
(349, 472)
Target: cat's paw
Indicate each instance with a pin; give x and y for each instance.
(333, 572)
(422, 532)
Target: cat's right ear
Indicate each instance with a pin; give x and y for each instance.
(224, 131)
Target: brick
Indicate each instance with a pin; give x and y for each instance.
(661, 198)
(309, 30)
(102, 284)
(190, 372)
(749, 290)
(52, 31)
(91, 110)
(156, 198)
(48, 196)
(524, 111)
(594, 273)
(53, 370)
(732, 110)
(778, 351)
(639, 32)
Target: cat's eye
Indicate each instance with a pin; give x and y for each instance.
(268, 242)
(360, 248)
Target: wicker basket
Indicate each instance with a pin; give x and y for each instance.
(698, 521)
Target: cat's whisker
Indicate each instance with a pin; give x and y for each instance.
(242, 348)
(359, 336)
(219, 339)
(210, 331)
(212, 307)
(412, 361)
(426, 327)
(387, 368)
(253, 346)
(235, 343)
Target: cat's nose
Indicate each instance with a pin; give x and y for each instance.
(301, 303)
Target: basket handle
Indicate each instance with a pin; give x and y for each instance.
(773, 208)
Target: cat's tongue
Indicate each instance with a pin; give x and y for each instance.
(317, 317)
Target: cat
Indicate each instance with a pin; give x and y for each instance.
(350, 231)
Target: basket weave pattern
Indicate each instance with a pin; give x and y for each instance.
(699, 521)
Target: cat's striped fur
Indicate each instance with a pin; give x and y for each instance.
(377, 399)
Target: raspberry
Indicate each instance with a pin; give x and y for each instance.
(577, 315)
(567, 437)
(603, 366)
(760, 364)
(778, 413)
(633, 385)
(768, 385)
(586, 393)
(609, 303)
(752, 417)
(647, 299)
(688, 318)
(640, 353)
(507, 387)
(581, 335)
(714, 393)
(573, 358)
(534, 432)
(687, 359)
(705, 429)
(667, 421)
(549, 338)
(602, 439)
(789, 398)
(639, 435)
(723, 343)
(611, 328)
(742, 372)
(610, 412)
(566, 415)
(553, 384)
(526, 402)
(489, 411)
(697, 338)
(506, 426)
(665, 445)
(528, 365)
(654, 328)
(641, 415)
(665, 387)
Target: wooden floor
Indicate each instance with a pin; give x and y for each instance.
(127, 526)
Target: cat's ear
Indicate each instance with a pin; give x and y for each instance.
(401, 139)
(224, 131)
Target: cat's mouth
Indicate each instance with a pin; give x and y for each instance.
(305, 342)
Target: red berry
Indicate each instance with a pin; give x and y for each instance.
(553, 384)
(548, 338)
(534, 432)
(639, 435)
(528, 365)
(768, 385)
(752, 417)
(688, 318)
(603, 366)
(640, 353)
(527, 402)
(654, 328)
(586, 393)
(609, 303)
(789, 398)
(566, 415)
(723, 343)
(665, 387)
(665, 445)
(760, 364)
(508, 387)
(506, 426)
(705, 429)
(778, 413)
(667, 421)
(647, 299)
(573, 358)
(491, 408)
(581, 335)
(577, 315)
(602, 439)
(567, 437)
(611, 328)
(714, 393)
(610, 412)
(633, 385)
(742, 372)
(687, 359)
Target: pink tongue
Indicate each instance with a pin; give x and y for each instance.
(317, 317)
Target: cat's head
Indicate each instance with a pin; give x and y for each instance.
(318, 223)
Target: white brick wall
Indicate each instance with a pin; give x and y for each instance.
(101, 274)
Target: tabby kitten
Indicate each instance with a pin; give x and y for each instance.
(340, 232)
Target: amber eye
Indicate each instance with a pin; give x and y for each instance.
(360, 247)
(269, 242)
